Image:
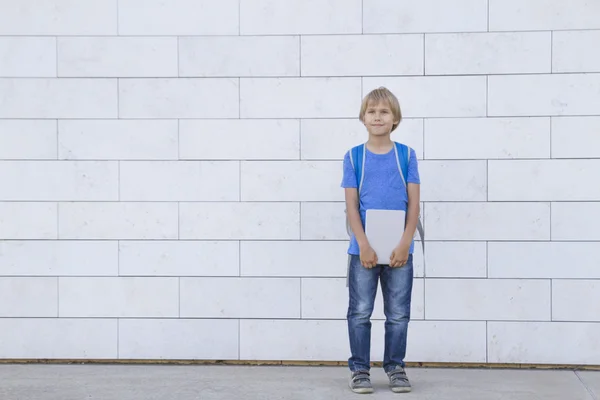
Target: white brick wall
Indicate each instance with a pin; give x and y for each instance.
(178, 98)
(28, 220)
(453, 180)
(178, 258)
(491, 299)
(528, 342)
(240, 220)
(28, 56)
(29, 297)
(456, 260)
(436, 96)
(544, 94)
(291, 181)
(55, 338)
(170, 176)
(568, 296)
(558, 260)
(239, 56)
(575, 221)
(59, 258)
(28, 139)
(44, 98)
(269, 17)
(352, 55)
(504, 138)
(118, 297)
(299, 97)
(311, 258)
(576, 184)
(569, 47)
(239, 139)
(178, 17)
(390, 16)
(488, 53)
(58, 17)
(179, 180)
(488, 221)
(575, 137)
(240, 298)
(59, 180)
(179, 339)
(536, 15)
(117, 220)
(117, 140)
(117, 57)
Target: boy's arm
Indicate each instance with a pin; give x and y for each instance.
(412, 215)
(413, 185)
(368, 258)
(400, 254)
(354, 217)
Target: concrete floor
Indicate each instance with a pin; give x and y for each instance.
(209, 382)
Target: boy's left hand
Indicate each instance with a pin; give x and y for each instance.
(399, 255)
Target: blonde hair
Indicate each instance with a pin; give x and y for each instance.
(378, 95)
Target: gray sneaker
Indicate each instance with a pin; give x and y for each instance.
(399, 382)
(360, 382)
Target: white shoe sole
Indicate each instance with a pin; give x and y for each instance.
(361, 390)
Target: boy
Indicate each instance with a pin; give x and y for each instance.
(382, 188)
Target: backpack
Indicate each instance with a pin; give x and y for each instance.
(357, 159)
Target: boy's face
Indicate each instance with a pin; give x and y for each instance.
(379, 118)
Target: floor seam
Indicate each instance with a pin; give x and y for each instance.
(592, 395)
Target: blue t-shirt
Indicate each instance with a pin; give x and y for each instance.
(382, 187)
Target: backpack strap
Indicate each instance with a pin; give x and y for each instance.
(402, 159)
(357, 158)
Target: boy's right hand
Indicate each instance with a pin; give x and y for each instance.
(368, 258)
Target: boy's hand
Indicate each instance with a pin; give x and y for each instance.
(399, 255)
(368, 258)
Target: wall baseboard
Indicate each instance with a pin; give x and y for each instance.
(301, 363)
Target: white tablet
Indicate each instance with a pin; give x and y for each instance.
(384, 230)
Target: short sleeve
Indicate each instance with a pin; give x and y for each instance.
(349, 178)
(413, 168)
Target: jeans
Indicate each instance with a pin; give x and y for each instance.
(396, 287)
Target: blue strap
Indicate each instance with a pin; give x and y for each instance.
(357, 158)
(403, 155)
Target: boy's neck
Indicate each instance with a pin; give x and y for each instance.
(380, 144)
